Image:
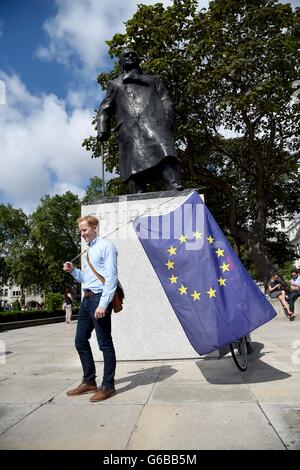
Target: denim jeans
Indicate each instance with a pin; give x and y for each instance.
(86, 324)
(293, 297)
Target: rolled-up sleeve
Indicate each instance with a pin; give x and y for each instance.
(78, 275)
(110, 273)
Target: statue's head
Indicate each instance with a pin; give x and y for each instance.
(129, 59)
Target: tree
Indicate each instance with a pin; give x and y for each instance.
(34, 248)
(232, 66)
(14, 230)
(94, 190)
(54, 231)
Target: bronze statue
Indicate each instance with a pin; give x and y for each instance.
(145, 121)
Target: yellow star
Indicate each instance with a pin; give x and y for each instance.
(170, 264)
(182, 239)
(197, 235)
(173, 279)
(172, 250)
(222, 281)
(182, 290)
(210, 239)
(195, 295)
(211, 292)
(224, 267)
(219, 252)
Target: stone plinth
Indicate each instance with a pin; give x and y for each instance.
(147, 327)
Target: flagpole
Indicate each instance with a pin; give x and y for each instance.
(78, 256)
(102, 156)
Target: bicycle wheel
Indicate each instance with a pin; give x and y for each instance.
(239, 353)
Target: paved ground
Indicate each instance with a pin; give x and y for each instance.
(204, 403)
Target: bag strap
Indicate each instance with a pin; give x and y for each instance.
(101, 278)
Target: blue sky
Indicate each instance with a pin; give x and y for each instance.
(21, 33)
(50, 54)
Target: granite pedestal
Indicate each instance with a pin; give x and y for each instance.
(147, 328)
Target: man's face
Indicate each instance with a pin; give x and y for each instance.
(294, 275)
(129, 59)
(87, 232)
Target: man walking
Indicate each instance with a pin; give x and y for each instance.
(95, 310)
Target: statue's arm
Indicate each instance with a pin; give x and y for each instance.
(105, 112)
(166, 102)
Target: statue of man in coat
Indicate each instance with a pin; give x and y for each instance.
(144, 126)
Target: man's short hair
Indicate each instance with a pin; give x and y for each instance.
(91, 220)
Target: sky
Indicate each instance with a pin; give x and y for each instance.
(51, 52)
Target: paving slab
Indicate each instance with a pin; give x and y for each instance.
(30, 389)
(89, 426)
(204, 426)
(285, 418)
(277, 391)
(195, 392)
(202, 403)
(12, 414)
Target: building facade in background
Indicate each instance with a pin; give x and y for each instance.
(292, 229)
(11, 293)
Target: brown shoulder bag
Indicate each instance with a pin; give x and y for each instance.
(119, 295)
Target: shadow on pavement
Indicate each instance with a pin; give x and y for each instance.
(223, 371)
(145, 377)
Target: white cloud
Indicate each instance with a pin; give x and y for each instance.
(41, 150)
(81, 28)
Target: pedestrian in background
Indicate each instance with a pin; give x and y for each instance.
(276, 291)
(68, 303)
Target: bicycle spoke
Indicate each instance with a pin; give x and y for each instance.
(239, 353)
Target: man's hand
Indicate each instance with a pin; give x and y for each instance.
(102, 137)
(68, 266)
(100, 312)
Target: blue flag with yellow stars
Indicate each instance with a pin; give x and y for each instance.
(215, 299)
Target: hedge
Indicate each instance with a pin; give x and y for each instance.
(9, 315)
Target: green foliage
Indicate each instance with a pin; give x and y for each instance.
(286, 270)
(54, 231)
(229, 67)
(14, 230)
(16, 306)
(93, 191)
(33, 249)
(10, 316)
(54, 301)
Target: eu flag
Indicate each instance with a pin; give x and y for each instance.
(215, 299)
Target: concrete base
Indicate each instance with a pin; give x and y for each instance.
(147, 328)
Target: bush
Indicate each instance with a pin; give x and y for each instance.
(54, 302)
(10, 316)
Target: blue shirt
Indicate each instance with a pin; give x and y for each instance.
(103, 256)
(295, 281)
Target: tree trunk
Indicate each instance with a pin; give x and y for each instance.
(22, 297)
(258, 254)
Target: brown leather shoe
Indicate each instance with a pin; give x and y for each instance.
(81, 389)
(103, 394)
